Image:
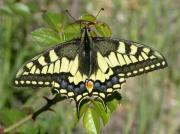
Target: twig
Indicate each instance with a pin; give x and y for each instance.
(50, 102)
(34, 115)
(17, 124)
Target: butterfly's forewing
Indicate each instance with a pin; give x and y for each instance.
(127, 58)
(54, 63)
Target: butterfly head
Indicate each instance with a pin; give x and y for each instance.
(86, 33)
(86, 28)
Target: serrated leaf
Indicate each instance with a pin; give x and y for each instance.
(53, 20)
(101, 111)
(103, 29)
(72, 31)
(91, 122)
(21, 9)
(88, 17)
(46, 36)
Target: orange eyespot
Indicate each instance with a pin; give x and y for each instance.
(89, 85)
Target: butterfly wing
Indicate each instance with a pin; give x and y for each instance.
(128, 58)
(57, 62)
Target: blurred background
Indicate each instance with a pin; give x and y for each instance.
(150, 102)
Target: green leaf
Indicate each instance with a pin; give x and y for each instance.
(53, 19)
(34, 7)
(72, 31)
(46, 36)
(21, 9)
(6, 10)
(93, 33)
(91, 122)
(88, 17)
(83, 107)
(101, 111)
(28, 129)
(9, 116)
(103, 29)
(113, 101)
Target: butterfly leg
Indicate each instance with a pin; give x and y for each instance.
(79, 103)
(103, 102)
(102, 99)
(78, 108)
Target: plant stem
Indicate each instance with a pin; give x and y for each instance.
(34, 115)
(18, 124)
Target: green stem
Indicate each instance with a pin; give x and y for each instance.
(34, 115)
(18, 124)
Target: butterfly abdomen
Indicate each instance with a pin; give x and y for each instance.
(87, 60)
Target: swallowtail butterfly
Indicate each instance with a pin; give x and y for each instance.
(89, 66)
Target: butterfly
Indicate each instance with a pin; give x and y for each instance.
(89, 66)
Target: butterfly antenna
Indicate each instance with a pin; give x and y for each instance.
(67, 11)
(102, 9)
(69, 14)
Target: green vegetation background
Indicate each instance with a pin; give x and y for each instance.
(151, 103)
